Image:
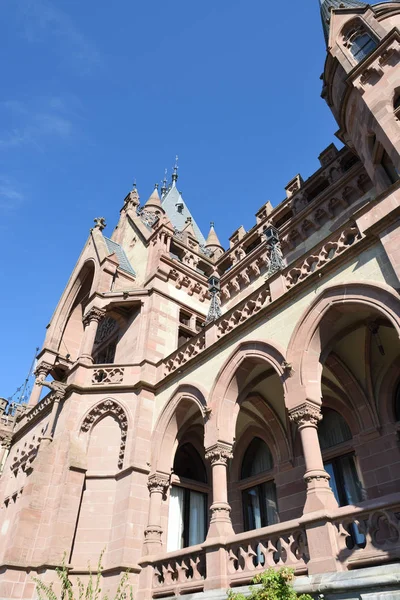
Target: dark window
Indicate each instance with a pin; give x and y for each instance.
(106, 355)
(362, 45)
(333, 429)
(188, 464)
(390, 170)
(259, 501)
(187, 518)
(260, 506)
(397, 404)
(283, 219)
(184, 336)
(257, 459)
(317, 189)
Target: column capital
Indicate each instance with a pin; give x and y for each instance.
(93, 314)
(43, 369)
(306, 414)
(158, 483)
(219, 453)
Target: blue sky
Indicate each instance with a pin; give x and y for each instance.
(96, 94)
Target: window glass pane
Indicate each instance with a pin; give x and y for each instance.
(175, 519)
(197, 518)
(257, 459)
(351, 483)
(362, 45)
(252, 509)
(332, 482)
(270, 503)
(333, 429)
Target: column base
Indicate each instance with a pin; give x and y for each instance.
(319, 493)
(220, 523)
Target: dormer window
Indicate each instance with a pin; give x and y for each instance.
(359, 41)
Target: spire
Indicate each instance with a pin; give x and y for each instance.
(328, 5)
(164, 187)
(154, 200)
(175, 172)
(212, 240)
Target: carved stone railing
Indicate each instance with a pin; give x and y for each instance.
(329, 250)
(108, 375)
(180, 571)
(369, 535)
(246, 309)
(186, 352)
(281, 545)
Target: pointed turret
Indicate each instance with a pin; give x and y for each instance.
(213, 243)
(328, 5)
(132, 200)
(154, 202)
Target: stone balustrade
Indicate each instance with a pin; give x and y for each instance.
(366, 534)
(180, 572)
(281, 545)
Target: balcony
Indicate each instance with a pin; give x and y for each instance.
(242, 556)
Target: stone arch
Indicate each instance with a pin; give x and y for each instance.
(171, 420)
(225, 397)
(386, 396)
(76, 293)
(107, 408)
(307, 341)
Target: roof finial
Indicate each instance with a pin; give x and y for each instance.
(164, 187)
(175, 171)
(134, 184)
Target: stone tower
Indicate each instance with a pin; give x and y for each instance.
(362, 82)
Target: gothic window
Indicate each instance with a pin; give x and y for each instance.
(344, 481)
(105, 344)
(359, 41)
(259, 498)
(187, 517)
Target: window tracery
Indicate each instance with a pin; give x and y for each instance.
(359, 40)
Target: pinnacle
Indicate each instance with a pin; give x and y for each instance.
(154, 199)
(212, 238)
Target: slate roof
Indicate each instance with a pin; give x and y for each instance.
(177, 211)
(326, 5)
(118, 250)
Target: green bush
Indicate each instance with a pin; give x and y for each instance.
(271, 585)
(92, 591)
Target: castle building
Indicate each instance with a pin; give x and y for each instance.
(212, 412)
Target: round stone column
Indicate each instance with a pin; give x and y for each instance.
(220, 523)
(41, 372)
(319, 494)
(91, 322)
(158, 485)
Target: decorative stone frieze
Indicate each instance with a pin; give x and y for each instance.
(306, 414)
(94, 314)
(219, 454)
(321, 256)
(108, 376)
(6, 442)
(185, 353)
(243, 311)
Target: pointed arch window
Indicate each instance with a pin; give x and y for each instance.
(187, 518)
(344, 480)
(260, 506)
(359, 40)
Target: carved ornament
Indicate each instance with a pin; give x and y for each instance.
(94, 314)
(43, 369)
(158, 483)
(219, 454)
(109, 407)
(307, 414)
